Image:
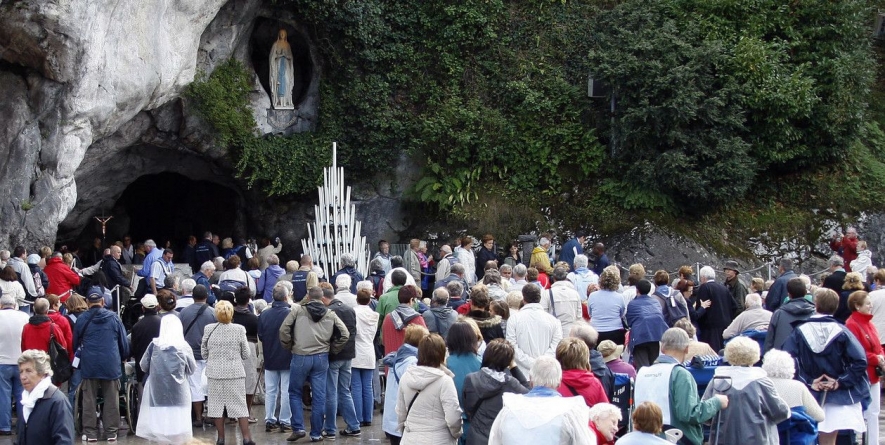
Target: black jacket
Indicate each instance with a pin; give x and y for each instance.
(483, 400)
(205, 251)
(143, 333)
(276, 357)
(602, 372)
(489, 325)
(348, 316)
(51, 421)
(113, 272)
(781, 325)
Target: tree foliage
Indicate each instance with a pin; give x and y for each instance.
(714, 95)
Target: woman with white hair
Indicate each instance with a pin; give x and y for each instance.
(165, 408)
(542, 416)
(604, 418)
(753, 318)
(754, 407)
(42, 406)
(781, 368)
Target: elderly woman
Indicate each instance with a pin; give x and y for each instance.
(781, 368)
(42, 404)
(606, 307)
(224, 347)
(754, 407)
(753, 318)
(542, 416)
(832, 362)
(165, 410)
(483, 390)
(648, 419)
(577, 380)
(854, 281)
(398, 363)
(604, 418)
(694, 347)
(9, 285)
(427, 401)
(860, 323)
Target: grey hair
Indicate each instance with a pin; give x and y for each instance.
(7, 300)
(514, 299)
(150, 243)
(835, 260)
(742, 351)
(779, 364)
(280, 293)
(273, 260)
(753, 300)
(455, 289)
(505, 267)
(365, 284)
(546, 372)
(172, 282)
(376, 264)
(287, 285)
(560, 273)
(218, 263)
(445, 248)
(786, 263)
(604, 411)
(40, 360)
(4, 255)
(342, 281)
(41, 306)
(347, 260)
(544, 242)
(581, 261)
(187, 286)
(457, 269)
(520, 270)
(807, 280)
(440, 297)
(707, 272)
(585, 332)
(674, 339)
(491, 276)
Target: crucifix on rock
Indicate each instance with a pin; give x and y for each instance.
(104, 222)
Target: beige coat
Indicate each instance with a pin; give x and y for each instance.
(435, 416)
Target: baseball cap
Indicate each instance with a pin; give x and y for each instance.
(33, 258)
(149, 301)
(95, 294)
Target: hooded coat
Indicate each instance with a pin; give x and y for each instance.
(398, 363)
(312, 328)
(100, 334)
(393, 329)
(754, 407)
(489, 325)
(61, 278)
(440, 319)
(268, 280)
(35, 334)
(578, 382)
(483, 393)
(427, 407)
(781, 325)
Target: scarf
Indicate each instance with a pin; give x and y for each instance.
(29, 399)
(402, 315)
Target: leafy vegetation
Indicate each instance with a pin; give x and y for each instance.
(716, 102)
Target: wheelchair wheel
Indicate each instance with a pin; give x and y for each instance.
(133, 405)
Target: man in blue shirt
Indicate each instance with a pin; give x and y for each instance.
(573, 248)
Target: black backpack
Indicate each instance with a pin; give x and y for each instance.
(673, 309)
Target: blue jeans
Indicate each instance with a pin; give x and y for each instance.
(361, 387)
(313, 367)
(338, 396)
(10, 385)
(73, 384)
(274, 381)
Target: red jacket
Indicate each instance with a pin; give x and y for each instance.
(861, 326)
(61, 278)
(394, 338)
(582, 383)
(64, 323)
(35, 334)
(847, 248)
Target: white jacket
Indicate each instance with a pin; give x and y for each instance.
(566, 304)
(468, 260)
(366, 325)
(526, 420)
(435, 415)
(533, 332)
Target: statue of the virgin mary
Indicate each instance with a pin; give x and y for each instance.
(281, 74)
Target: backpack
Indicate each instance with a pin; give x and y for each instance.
(231, 285)
(377, 284)
(673, 310)
(59, 360)
(799, 429)
(38, 285)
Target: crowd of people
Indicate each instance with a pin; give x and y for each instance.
(473, 345)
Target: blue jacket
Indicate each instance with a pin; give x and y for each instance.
(205, 251)
(822, 345)
(646, 320)
(355, 277)
(276, 357)
(601, 263)
(149, 259)
(567, 253)
(51, 421)
(268, 279)
(778, 291)
(200, 278)
(103, 344)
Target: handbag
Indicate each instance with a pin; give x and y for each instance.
(59, 360)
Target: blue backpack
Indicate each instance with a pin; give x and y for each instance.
(231, 285)
(799, 429)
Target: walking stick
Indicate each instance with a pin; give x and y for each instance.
(723, 385)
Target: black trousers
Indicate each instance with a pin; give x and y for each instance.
(645, 354)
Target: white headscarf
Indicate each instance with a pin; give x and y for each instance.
(171, 334)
